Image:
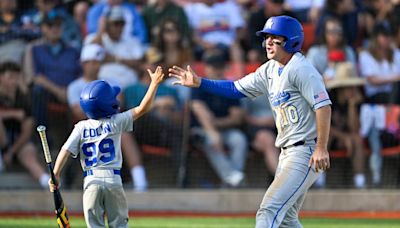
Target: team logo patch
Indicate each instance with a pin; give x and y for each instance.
(280, 98)
(268, 24)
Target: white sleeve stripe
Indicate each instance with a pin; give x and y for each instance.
(244, 90)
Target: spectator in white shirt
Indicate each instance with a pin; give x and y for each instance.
(305, 10)
(380, 65)
(124, 54)
(215, 24)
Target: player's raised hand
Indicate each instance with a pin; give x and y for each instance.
(158, 75)
(185, 77)
(320, 159)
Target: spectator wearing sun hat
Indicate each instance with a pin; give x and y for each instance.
(345, 92)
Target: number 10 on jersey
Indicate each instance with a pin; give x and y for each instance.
(285, 116)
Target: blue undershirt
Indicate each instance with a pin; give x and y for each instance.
(225, 88)
(280, 69)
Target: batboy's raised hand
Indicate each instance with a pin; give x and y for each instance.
(186, 77)
(158, 75)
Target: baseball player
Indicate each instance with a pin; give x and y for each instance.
(98, 142)
(302, 115)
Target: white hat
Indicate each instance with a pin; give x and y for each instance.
(115, 13)
(92, 52)
(345, 76)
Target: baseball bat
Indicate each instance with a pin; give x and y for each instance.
(61, 210)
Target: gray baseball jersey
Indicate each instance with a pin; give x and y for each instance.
(99, 141)
(294, 96)
(99, 144)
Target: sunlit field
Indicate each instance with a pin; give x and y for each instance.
(200, 222)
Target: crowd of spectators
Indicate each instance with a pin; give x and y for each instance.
(50, 49)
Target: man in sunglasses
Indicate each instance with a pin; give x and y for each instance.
(302, 115)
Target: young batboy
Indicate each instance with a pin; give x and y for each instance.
(98, 142)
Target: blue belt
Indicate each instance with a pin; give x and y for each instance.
(90, 172)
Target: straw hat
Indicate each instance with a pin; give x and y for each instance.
(345, 76)
(153, 56)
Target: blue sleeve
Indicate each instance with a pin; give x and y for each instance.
(224, 88)
(93, 16)
(139, 27)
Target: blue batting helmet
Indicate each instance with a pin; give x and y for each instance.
(99, 99)
(287, 27)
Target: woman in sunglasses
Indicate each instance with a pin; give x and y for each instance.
(331, 41)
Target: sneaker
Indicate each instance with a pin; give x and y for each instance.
(235, 178)
(140, 188)
(359, 181)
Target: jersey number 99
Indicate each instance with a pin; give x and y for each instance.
(105, 148)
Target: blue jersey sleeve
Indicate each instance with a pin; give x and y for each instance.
(224, 88)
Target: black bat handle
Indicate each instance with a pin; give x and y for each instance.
(53, 177)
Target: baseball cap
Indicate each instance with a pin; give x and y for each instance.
(214, 58)
(92, 52)
(153, 56)
(115, 13)
(52, 17)
(382, 29)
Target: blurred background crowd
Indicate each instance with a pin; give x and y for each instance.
(50, 49)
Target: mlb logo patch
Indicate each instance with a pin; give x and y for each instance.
(321, 96)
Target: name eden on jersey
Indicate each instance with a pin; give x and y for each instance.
(94, 132)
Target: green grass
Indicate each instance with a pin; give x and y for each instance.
(206, 222)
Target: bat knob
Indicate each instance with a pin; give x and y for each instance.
(41, 128)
